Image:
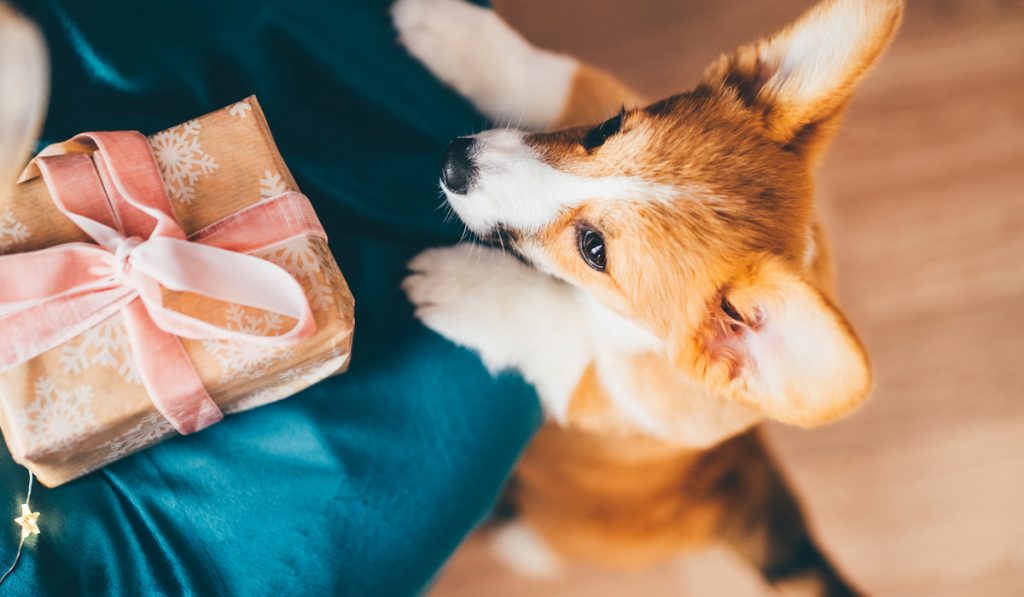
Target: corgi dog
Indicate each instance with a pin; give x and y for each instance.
(667, 284)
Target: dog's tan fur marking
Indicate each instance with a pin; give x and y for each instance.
(590, 409)
(613, 499)
(594, 96)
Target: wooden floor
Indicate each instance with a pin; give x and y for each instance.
(922, 492)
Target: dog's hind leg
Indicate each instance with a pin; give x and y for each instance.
(506, 77)
(764, 524)
(519, 547)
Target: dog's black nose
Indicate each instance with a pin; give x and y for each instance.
(458, 169)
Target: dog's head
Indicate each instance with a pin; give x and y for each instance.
(693, 216)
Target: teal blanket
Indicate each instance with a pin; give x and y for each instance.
(364, 484)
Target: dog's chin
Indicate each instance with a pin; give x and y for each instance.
(499, 236)
(484, 229)
(462, 205)
(502, 236)
(466, 207)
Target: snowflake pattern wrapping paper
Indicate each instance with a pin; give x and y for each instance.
(12, 232)
(82, 405)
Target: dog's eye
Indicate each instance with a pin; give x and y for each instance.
(600, 133)
(591, 245)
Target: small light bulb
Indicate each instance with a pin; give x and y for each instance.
(28, 521)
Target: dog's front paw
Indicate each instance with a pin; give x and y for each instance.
(478, 54)
(512, 315)
(446, 36)
(466, 294)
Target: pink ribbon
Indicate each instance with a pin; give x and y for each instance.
(116, 196)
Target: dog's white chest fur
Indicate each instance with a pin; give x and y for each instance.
(516, 317)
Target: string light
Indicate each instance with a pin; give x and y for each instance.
(29, 523)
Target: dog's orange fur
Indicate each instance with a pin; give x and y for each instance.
(594, 95)
(599, 488)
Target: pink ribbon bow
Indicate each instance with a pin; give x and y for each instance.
(116, 196)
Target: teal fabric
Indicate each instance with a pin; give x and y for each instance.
(364, 484)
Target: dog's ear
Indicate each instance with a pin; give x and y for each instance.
(799, 80)
(773, 341)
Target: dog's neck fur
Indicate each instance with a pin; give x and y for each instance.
(631, 382)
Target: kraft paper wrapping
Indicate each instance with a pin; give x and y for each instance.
(81, 405)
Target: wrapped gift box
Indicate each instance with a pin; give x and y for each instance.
(82, 404)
